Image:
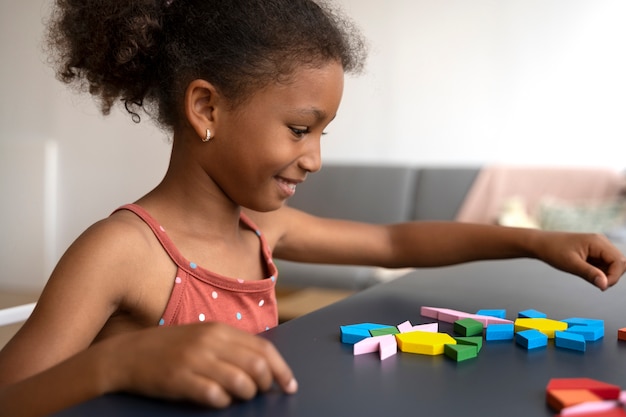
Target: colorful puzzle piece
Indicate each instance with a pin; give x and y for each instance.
(595, 409)
(499, 332)
(603, 390)
(424, 343)
(589, 333)
(386, 345)
(385, 330)
(460, 352)
(450, 316)
(470, 340)
(559, 399)
(354, 333)
(568, 340)
(545, 326)
(531, 339)
(532, 314)
(501, 314)
(468, 327)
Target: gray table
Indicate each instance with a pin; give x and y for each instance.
(505, 379)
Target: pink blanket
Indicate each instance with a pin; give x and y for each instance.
(496, 184)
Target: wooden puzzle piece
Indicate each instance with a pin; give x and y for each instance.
(471, 341)
(545, 326)
(558, 399)
(468, 327)
(450, 316)
(594, 409)
(568, 340)
(424, 343)
(353, 333)
(602, 389)
(498, 313)
(385, 344)
(500, 332)
(532, 314)
(405, 327)
(460, 353)
(384, 330)
(531, 339)
(581, 321)
(589, 333)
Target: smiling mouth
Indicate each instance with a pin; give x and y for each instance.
(288, 187)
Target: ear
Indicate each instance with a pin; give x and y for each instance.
(201, 100)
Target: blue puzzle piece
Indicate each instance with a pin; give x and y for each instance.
(580, 321)
(500, 332)
(353, 333)
(590, 333)
(569, 340)
(532, 314)
(531, 339)
(501, 314)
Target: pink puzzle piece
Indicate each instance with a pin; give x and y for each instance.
(590, 407)
(450, 316)
(386, 345)
(430, 327)
(405, 327)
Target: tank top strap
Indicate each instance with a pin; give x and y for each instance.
(159, 233)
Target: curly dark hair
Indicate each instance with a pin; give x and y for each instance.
(146, 52)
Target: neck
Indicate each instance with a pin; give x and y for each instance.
(189, 200)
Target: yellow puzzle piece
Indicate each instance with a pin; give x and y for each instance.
(545, 326)
(424, 343)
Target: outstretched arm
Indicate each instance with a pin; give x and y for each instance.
(305, 238)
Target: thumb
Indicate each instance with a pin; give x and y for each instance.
(600, 280)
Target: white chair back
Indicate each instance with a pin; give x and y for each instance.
(16, 314)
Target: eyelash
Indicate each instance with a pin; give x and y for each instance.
(301, 132)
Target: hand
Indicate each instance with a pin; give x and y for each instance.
(209, 363)
(590, 256)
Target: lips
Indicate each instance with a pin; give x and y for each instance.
(288, 186)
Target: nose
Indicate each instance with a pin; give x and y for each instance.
(311, 160)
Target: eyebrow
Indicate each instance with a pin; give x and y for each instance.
(317, 113)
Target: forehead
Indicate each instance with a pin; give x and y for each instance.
(307, 89)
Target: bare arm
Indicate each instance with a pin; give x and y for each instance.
(305, 238)
(54, 356)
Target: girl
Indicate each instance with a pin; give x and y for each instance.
(165, 296)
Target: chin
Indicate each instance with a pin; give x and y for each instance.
(264, 207)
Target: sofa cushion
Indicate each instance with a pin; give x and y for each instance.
(440, 191)
(367, 193)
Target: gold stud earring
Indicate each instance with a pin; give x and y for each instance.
(208, 136)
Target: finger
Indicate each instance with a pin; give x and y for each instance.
(205, 391)
(615, 270)
(230, 375)
(281, 372)
(262, 362)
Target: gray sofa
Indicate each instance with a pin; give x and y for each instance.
(375, 194)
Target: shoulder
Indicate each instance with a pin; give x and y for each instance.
(120, 235)
(106, 255)
(276, 224)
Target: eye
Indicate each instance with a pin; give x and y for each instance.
(299, 131)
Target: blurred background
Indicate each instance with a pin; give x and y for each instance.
(448, 82)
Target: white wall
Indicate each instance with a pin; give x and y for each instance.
(452, 82)
(479, 81)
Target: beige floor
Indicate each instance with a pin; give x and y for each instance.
(12, 299)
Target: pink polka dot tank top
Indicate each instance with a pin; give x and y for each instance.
(201, 295)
